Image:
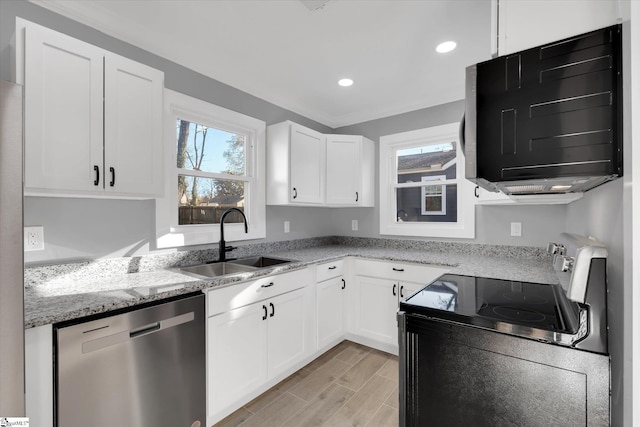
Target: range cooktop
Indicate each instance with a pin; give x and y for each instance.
(515, 307)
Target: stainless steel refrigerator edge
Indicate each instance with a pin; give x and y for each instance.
(12, 384)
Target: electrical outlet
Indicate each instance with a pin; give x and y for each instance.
(34, 238)
(286, 226)
(516, 229)
(354, 225)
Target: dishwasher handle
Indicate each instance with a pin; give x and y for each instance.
(143, 330)
(119, 337)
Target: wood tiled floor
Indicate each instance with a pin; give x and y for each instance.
(349, 385)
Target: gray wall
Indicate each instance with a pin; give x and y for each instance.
(92, 228)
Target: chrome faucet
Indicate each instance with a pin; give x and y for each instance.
(222, 248)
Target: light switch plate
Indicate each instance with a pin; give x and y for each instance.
(354, 225)
(286, 226)
(516, 229)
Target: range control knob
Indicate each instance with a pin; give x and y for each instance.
(563, 263)
(556, 249)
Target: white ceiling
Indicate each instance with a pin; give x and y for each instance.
(285, 53)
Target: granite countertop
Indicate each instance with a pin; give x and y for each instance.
(67, 292)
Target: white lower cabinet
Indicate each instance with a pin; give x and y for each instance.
(251, 346)
(379, 288)
(331, 299)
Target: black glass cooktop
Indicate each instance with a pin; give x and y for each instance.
(490, 303)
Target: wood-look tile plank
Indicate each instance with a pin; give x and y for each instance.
(362, 371)
(276, 413)
(362, 406)
(353, 353)
(390, 369)
(386, 416)
(327, 355)
(321, 408)
(320, 379)
(394, 399)
(235, 419)
(276, 391)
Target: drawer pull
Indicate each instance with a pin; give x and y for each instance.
(398, 269)
(267, 285)
(333, 267)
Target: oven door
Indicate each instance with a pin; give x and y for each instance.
(453, 374)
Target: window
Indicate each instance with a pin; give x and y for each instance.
(215, 161)
(422, 187)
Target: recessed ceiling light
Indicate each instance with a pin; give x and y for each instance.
(345, 82)
(445, 47)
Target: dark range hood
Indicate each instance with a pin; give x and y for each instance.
(547, 120)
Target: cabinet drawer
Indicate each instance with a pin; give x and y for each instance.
(329, 270)
(418, 273)
(241, 294)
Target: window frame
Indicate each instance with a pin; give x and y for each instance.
(464, 227)
(168, 232)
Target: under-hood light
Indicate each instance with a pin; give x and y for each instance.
(561, 187)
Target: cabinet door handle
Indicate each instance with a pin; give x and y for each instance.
(401, 291)
(273, 309)
(398, 269)
(356, 196)
(295, 192)
(476, 191)
(394, 290)
(264, 307)
(267, 285)
(333, 267)
(96, 168)
(113, 177)
(344, 284)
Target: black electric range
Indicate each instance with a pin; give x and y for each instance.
(486, 352)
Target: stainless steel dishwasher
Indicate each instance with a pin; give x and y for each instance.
(140, 368)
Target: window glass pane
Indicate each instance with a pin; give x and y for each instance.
(438, 159)
(430, 203)
(204, 200)
(209, 149)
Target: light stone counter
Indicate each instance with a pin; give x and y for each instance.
(65, 292)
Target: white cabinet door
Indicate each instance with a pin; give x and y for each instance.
(237, 358)
(350, 170)
(344, 169)
(287, 338)
(376, 306)
(133, 127)
(520, 21)
(307, 165)
(63, 112)
(330, 302)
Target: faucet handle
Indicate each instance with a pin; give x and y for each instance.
(230, 248)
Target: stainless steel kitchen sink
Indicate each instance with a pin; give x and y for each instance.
(216, 269)
(259, 261)
(231, 267)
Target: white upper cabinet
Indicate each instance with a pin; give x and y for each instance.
(295, 165)
(307, 168)
(523, 24)
(93, 119)
(350, 162)
(133, 126)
